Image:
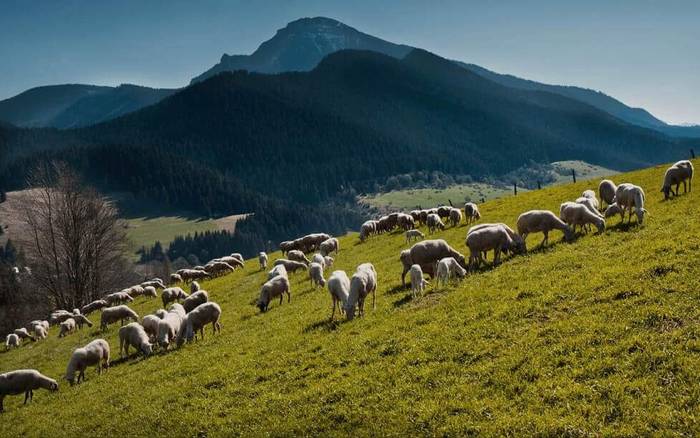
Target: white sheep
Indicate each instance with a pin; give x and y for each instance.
(413, 235)
(170, 325)
(24, 381)
(627, 197)
(116, 313)
(94, 353)
(448, 268)
(606, 190)
(118, 297)
(172, 294)
(262, 259)
(156, 283)
(298, 256)
(417, 281)
(541, 221)
(455, 216)
(12, 341)
(67, 326)
(204, 314)
(133, 334)
(363, 281)
(517, 247)
(194, 287)
(367, 229)
(318, 258)
(576, 214)
(291, 265)
(328, 262)
(277, 270)
(677, 174)
(150, 325)
(472, 213)
(329, 245)
(339, 288)
(434, 222)
(316, 275)
(81, 320)
(275, 287)
(95, 305)
(23, 333)
(150, 291)
(175, 278)
(40, 332)
(194, 300)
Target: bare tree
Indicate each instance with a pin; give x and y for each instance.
(74, 242)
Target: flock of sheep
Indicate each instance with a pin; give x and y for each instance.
(436, 258)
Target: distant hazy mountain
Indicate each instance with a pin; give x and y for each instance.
(76, 105)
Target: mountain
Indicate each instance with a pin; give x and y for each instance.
(76, 105)
(301, 45)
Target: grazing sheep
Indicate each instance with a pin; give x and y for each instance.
(455, 216)
(76, 311)
(175, 278)
(24, 381)
(328, 246)
(405, 222)
(414, 235)
(311, 242)
(541, 221)
(193, 274)
(517, 247)
(134, 291)
(170, 325)
(277, 270)
(606, 190)
(298, 256)
(339, 288)
(94, 353)
(316, 275)
(216, 268)
(367, 229)
(485, 239)
(417, 281)
(58, 316)
(275, 287)
(576, 214)
(434, 223)
(67, 326)
(12, 341)
(444, 211)
(172, 294)
(262, 259)
(133, 334)
(363, 281)
(196, 320)
(318, 258)
(95, 305)
(23, 333)
(291, 265)
(627, 197)
(328, 261)
(150, 325)
(448, 268)
(117, 298)
(426, 254)
(40, 332)
(194, 287)
(471, 211)
(43, 323)
(80, 320)
(155, 283)
(194, 300)
(286, 246)
(590, 203)
(117, 313)
(150, 291)
(677, 174)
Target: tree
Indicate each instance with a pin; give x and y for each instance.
(75, 243)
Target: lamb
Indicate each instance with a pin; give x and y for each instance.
(172, 294)
(362, 283)
(606, 190)
(170, 325)
(67, 326)
(316, 274)
(298, 256)
(367, 229)
(150, 291)
(262, 259)
(455, 216)
(434, 223)
(12, 341)
(339, 288)
(328, 246)
(677, 174)
(194, 287)
(629, 196)
(133, 334)
(579, 214)
(276, 287)
(40, 332)
(544, 221)
(426, 254)
(196, 320)
(80, 320)
(23, 333)
(117, 298)
(448, 268)
(414, 235)
(471, 211)
(216, 268)
(150, 325)
(417, 281)
(194, 300)
(277, 270)
(175, 278)
(24, 381)
(484, 239)
(291, 265)
(94, 353)
(91, 307)
(116, 313)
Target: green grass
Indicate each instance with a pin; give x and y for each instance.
(584, 171)
(145, 231)
(427, 198)
(596, 337)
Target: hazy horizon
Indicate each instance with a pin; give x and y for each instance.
(643, 53)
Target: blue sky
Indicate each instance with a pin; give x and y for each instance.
(646, 53)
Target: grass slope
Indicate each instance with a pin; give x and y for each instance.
(600, 336)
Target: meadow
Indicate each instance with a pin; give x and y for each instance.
(600, 336)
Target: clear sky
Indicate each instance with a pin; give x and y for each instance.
(643, 52)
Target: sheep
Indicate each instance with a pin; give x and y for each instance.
(444, 211)
(417, 281)
(24, 381)
(117, 298)
(238, 255)
(170, 325)
(40, 332)
(405, 222)
(606, 190)
(58, 316)
(677, 174)
(80, 320)
(291, 265)
(318, 258)
(194, 287)
(414, 235)
(76, 311)
(426, 254)
(628, 196)
(517, 247)
(94, 353)
(286, 246)
(339, 288)
(194, 300)
(367, 229)
(37, 322)
(23, 333)
(193, 274)
(262, 259)
(196, 320)
(172, 294)
(448, 268)
(175, 278)
(328, 261)
(155, 283)
(455, 216)
(218, 268)
(316, 275)
(150, 291)
(363, 281)
(580, 214)
(116, 313)
(434, 223)
(276, 287)
(150, 325)
(133, 334)
(311, 242)
(12, 341)
(277, 270)
(544, 221)
(134, 291)
(67, 326)
(328, 246)
(236, 261)
(471, 211)
(298, 256)
(484, 239)
(91, 307)
(590, 203)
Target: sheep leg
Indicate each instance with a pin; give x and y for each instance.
(2, 400)
(546, 238)
(26, 395)
(497, 256)
(289, 297)
(403, 277)
(333, 305)
(81, 374)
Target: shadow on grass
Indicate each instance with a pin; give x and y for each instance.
(325, 325)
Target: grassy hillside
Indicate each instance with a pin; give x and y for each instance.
(599, 336)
